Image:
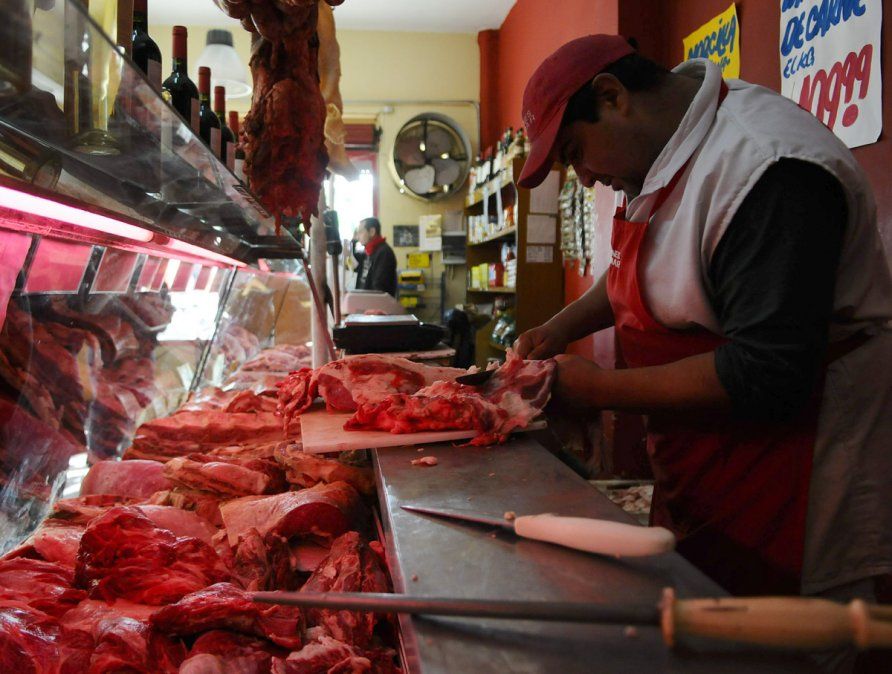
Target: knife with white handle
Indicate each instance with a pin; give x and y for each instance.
(603, 537)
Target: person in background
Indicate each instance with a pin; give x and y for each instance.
(356, 260)
(752, 303)
(379, 266)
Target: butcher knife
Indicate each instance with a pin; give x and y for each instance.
(580, 533)
(784, 622)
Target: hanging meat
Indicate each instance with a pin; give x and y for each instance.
(283, 134)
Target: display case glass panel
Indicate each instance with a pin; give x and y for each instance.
(58, 266)
(115, 271)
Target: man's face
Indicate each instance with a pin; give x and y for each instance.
(364, 235)
(612, 151)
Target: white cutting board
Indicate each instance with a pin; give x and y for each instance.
(322, 432)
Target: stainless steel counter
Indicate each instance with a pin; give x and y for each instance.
(434, 557)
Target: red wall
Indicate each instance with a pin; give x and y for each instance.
(535, 28)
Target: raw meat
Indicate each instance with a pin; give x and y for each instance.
(192, 432)
(149, 311)
(279, 358)
(258, 382)
(352, 566)
(224, 606)
(45, 586)
(32, 642)
(266, 450)
(231, 401)
(324, 511)
(136, 479)
(347, 383)
(201, 503)
(222, 652)
(259, 562)
(327, 655)
(308, 470)
(115, 336)
(123, 642)
(123, 554)
(136, 375)
(58, 542)
(283, 133)
(31, 392)
(513, 396)
(226, 476)
(183, 523)
(83, 509)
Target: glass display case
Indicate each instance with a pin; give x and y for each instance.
(136, 272)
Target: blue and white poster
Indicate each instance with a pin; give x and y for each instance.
(830, 64)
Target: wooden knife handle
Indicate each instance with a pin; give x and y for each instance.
(788, 622)
(592, 535)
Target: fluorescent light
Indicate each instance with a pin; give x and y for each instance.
(197, 251)
(47, 208)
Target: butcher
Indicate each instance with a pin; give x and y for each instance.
(751, 301)
(379, 265)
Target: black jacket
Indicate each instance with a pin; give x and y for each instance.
(379, 270)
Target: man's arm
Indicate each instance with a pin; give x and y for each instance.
(586, 315)
(773, 278)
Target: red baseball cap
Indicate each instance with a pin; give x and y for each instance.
(558, 77)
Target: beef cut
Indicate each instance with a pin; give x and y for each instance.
(513, 396)
(136, 479)
(223, 606)
(221, 651)
(226, 476)
(233, 400)
(203, 504)
(325, 511)
(279, 358)
(45, 586)
(347, 383)
(123, 639)
(195, 432)
(326, 655)
(308, 470)
(351, 566)
(259, 562)
(123, 554)
(57, 541)
(33, 642)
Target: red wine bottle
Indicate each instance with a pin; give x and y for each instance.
(209, 124)
(146, 54)
(227, 139)
(238, 164)
(179, 89)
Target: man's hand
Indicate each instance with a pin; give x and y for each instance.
(540, 342)
(575, 380)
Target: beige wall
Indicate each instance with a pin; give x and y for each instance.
(383, 73)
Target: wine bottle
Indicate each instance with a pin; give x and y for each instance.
(179, 89)
(227, 139)
(146, 53)
(209, 125)
(238, 163)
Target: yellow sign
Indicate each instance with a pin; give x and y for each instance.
(419, 260)
(719, 41)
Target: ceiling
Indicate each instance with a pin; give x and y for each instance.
(436, 16)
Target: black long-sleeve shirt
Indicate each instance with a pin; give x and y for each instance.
(772, 279)
(379, 269)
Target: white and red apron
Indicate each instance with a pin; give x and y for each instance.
(735, 493)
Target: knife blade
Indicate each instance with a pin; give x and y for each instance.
(603, 537)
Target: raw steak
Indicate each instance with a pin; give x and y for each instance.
(324, 511)
(32, 642)
(347, 383)
(226, 476)
(205, 505)
(308, 470)
(259, 562)
(123, 554)
(45, 586)
(327, 655)
(183, 523)
(258, 382)
(267, 450)
(224, 606)
(513, 396)
(57, 542)
(136, 479)
(84, 509)
(351, 566)
(222, 652)
(125, 643)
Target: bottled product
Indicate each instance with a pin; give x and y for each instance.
(238, 164)
(178, 88)
(209, 124)
(146, 54)
(227, 139)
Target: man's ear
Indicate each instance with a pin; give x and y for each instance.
(610, 92)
